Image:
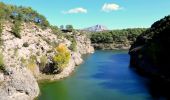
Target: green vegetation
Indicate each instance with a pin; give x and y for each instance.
(23, 60)
(62, 57)
(1, 29)
(56, 31)
(31, 64)
(16, 52)
(43, 63)
(73, 46)
(69, 28)
(153, 45)
(10, 13)
(16, 29)
(1, 62)
(26, 44)
(117, 36)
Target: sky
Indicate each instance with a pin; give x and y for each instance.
(114, 14)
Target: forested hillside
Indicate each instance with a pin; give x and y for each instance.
(115, 38)
(26, 14)
(151, 52)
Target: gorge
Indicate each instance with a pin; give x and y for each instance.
(43, 62)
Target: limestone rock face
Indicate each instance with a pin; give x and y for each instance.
(77, 58)
(18, 81)
(84, 45)
(19, 84)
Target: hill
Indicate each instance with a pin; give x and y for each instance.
(115, 39)
(150, 52)
(31, 49)
(96, 28)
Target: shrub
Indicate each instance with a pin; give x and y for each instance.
(16, 29)
(31, 63)
(43, 63)
(1, 61)
(73, 45)
(16, 52)
(69, 28)
(1, 29)
(62, 57)
(73, 42)
(26, 44)
(23, 61)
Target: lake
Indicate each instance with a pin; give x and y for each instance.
(104, 75)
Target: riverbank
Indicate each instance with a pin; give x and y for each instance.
(24, 59)
(110, 46)
(97, 75)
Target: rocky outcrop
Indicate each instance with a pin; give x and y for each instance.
(84, 44)
(150, 53)
(18, 84)
(83, 47)
(22, 58)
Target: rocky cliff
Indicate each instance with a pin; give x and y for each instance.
(22, 59)
(150, 52)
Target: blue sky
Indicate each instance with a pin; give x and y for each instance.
(115, 14)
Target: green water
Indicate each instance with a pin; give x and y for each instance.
(105, 75)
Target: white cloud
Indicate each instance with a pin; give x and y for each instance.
(75, 11)
(108, 7)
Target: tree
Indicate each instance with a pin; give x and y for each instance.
(69, 28)
(62, 57)
(62, 27)
(1, 29)
(16, 29)
(117, 36)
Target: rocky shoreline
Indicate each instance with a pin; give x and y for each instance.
(111, 46)
(73, 63)
(18, 81)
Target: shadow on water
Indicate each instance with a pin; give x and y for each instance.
(159, 90)
(115, 75)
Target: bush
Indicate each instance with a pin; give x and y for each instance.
(73, 42)
(32, 63)
(43, 62)
(16, 29)
(25, 44)
(73, 45)
(1, 61)
(62, 57)
(1, 29)
(26, 14)
(69, 28)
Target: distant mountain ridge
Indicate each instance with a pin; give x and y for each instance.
(96, 28)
